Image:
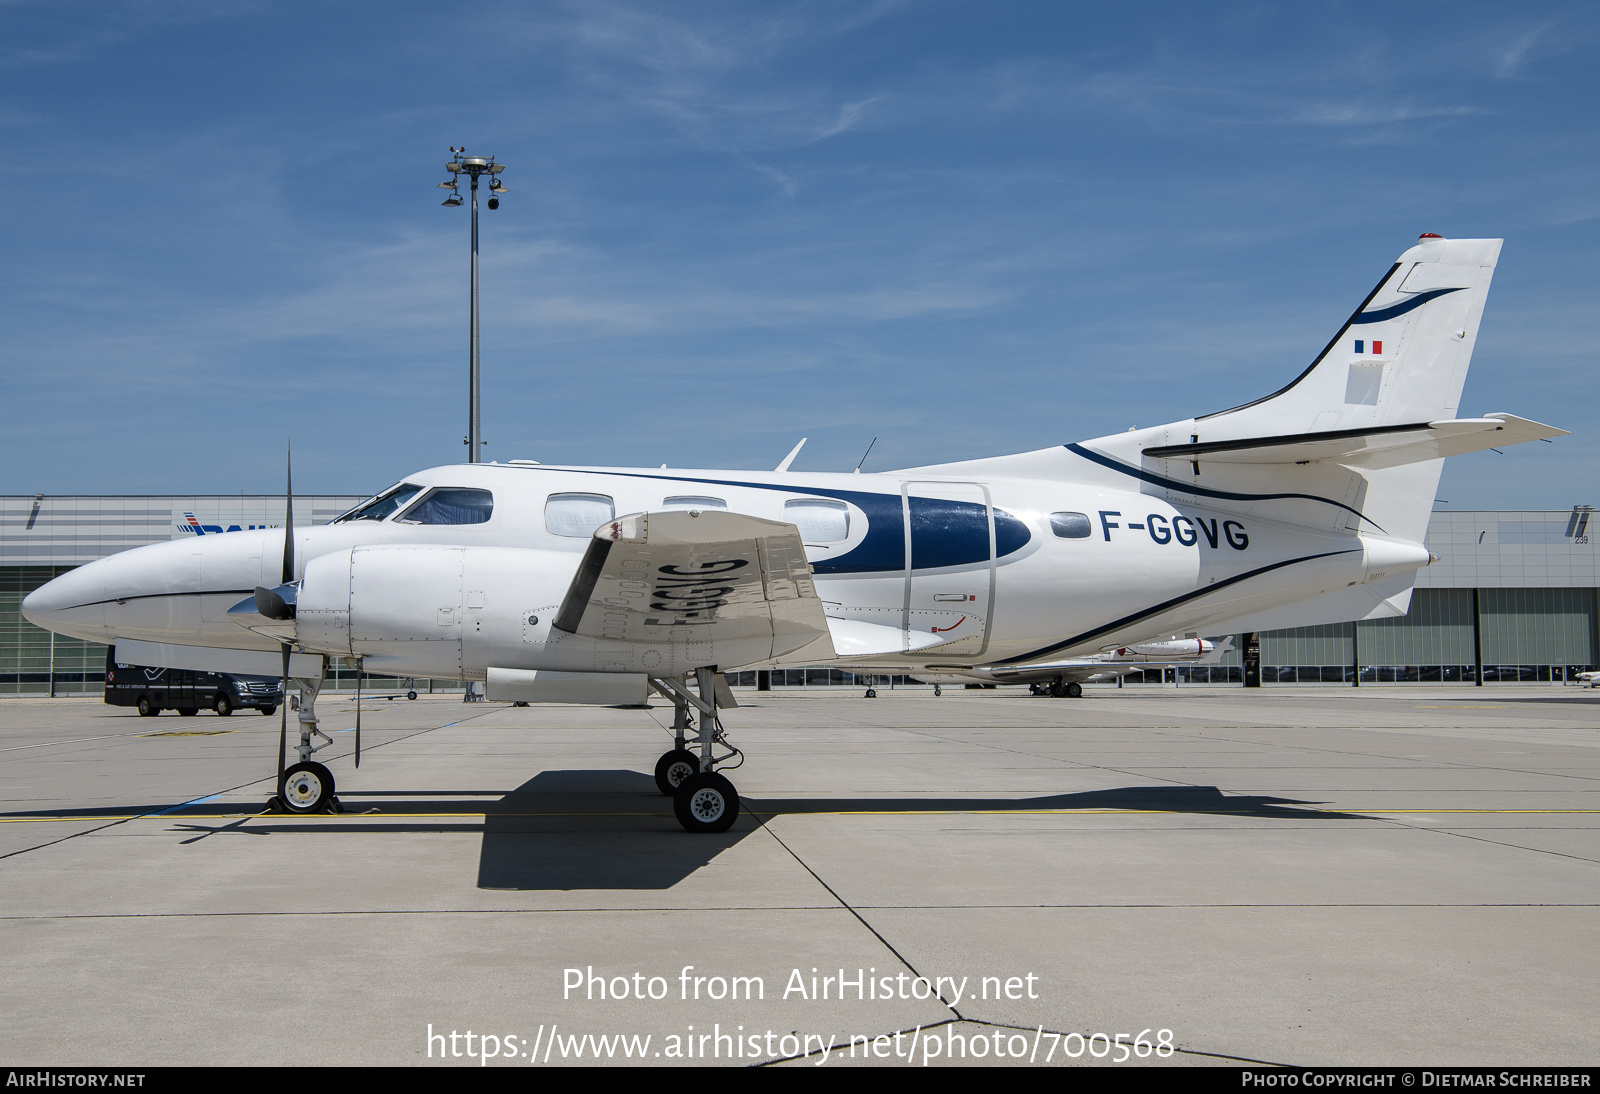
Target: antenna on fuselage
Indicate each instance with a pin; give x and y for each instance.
(793, 452)
(865, 454)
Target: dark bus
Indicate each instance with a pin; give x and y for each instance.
(153, 690)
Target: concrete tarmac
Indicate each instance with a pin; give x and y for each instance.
(1307, 876)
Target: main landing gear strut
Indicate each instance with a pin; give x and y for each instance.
(702, 799)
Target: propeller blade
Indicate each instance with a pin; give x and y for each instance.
(275, 603)
(359, 666)
(288, 519)
(283, 726)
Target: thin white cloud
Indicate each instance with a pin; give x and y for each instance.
(1509, 59)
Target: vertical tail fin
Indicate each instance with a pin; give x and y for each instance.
(1400, 358)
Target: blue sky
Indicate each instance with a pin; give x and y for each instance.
(964, 229)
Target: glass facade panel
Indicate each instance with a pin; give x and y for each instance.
(1436, 631)
(27, 654)
(1538, 626)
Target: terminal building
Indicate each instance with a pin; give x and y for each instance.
(1514, 598)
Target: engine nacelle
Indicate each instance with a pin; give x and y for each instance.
(441, 611)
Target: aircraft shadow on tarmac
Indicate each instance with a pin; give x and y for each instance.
(612, 829)
(595, 817)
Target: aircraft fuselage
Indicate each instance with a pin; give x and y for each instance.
(979, 563)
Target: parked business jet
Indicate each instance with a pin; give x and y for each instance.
(1065, 678)
(587, 584)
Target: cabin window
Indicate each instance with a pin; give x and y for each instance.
(382, 505)
(450, 505)
(819, 520)
(577, 515)
(692, 502)
(1070, 525)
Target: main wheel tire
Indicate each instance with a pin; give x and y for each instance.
(872, 693)
(188, 712)
(147, 709)
(1074, 690)
(706, 803)
(673, 768)
(269, 710)
(1058, 690)
(223, 706)
(307, 788)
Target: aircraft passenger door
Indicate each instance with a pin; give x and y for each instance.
(950, 564)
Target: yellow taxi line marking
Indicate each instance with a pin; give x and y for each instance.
(812, 812)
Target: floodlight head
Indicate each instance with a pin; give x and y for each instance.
(496, 187)
(494, 203)
(452, 201)
(453, 167)
(496, 168)
(451, 185)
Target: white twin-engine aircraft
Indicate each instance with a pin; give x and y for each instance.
(591, 585)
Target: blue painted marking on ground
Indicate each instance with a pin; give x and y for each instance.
(180, 805)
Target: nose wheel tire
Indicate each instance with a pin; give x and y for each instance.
(307, 788)
(673, 768)
(706, 802)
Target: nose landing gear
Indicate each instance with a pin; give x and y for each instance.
(308, 785)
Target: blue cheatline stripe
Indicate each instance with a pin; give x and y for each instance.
(882, 550)
(1394, 311)
(1157, 609)
(1189, 488)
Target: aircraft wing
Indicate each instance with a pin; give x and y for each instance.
(701, 577)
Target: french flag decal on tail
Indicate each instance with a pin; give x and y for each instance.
(1376, 347)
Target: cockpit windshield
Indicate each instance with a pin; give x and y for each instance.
(382, 505)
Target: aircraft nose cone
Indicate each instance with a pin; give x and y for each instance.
(71, 604)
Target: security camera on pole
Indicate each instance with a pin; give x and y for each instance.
(473, 166)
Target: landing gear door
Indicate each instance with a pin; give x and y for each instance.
(950, 564)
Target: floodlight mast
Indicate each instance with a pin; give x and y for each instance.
(473, 167)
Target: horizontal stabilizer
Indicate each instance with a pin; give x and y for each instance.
(1378, 446)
